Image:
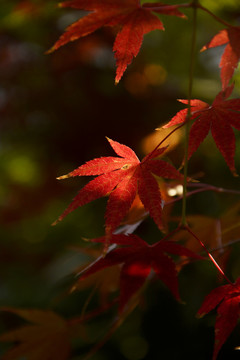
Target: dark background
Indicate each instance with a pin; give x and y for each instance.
(55, 111)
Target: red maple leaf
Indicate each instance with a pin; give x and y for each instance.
(134, 20)
(138, 259)
(218, 117)
(123, 177)
(227, 299)
(231, 54)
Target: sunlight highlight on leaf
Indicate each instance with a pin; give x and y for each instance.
(153, 139)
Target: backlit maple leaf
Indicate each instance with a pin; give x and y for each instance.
(47, 337)
(138, 259)
(123, 177)
(134, 20)
(227, 300)
(219, 117)
(231, 54)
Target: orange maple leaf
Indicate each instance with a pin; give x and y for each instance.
(47, 337)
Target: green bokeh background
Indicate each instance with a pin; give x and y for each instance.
(55, 112)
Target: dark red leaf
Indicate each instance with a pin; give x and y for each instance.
(227, 300)
(231, 54)
(137, 259)
(219, 118)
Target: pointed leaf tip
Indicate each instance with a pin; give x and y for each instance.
(199, 316)
(64, 176)
(50, 51)
(218, 118)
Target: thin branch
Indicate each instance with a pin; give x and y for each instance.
(208, 253)
(214, 16)
(206, 187)
(225, 245)
(92, 314)
(164, 139)
(187, 128)
(169, 234)
(235, 226)
(202, 189)
(157, 8)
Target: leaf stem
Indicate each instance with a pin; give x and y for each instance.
(169, 235)
(193, 4)
(164, 139)
(166, 8)
(234, 226)
(92, 314)
(202, 188)
(89, 298)
(214, 16)
(187, 128)
(213, 188)
(209, 255)
(225, 245)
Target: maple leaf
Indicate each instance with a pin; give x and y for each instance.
(104, 282)
(227, 300)
(231, 54)
(138, 259)
(123, 177)
(219, 117)
(46, 338)
(133, 19)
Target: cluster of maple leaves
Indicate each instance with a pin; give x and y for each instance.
(127, 180)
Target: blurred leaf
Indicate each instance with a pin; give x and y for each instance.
(46, 338)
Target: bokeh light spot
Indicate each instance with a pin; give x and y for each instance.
(23, 169)
(155, 74)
